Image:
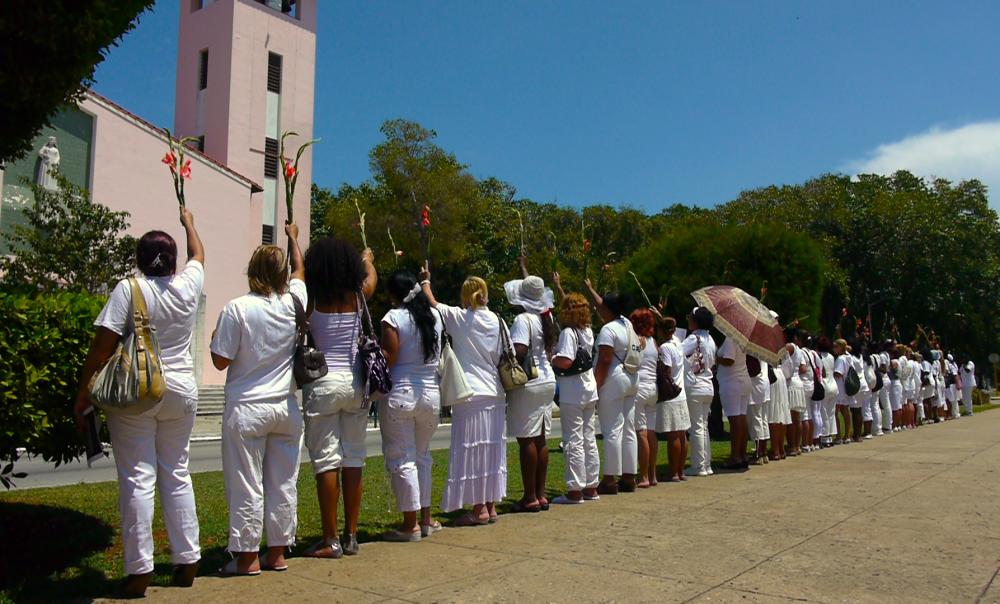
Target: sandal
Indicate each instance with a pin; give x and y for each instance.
(272, 568)
(542, 501)
(134, 586)
(469, 519)
(732, 466)
(426, 530)
(231, 569)
(335, 550)
(519, 508)
(397, 536)
(184, 574)
(603, 489)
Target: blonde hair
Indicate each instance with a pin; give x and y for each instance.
(267, 271)
(574, 311)
(842, 344)
(475, 293)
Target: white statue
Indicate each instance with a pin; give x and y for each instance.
(49, 156)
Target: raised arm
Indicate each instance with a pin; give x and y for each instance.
(603, 311)
(371, 275)
(297, 267)
(195, 249)
(425, 284)
(558, 283)
(522, 262)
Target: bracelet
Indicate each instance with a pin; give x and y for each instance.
(425, 282)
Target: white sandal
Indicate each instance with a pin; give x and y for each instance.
(231, 569)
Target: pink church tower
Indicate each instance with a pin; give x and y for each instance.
(245, 74)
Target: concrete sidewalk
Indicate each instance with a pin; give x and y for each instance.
(907, 517)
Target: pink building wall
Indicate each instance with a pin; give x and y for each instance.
(239, 34)
(127, 175)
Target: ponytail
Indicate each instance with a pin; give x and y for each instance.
(401, 283)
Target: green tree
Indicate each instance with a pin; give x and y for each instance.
(68, 243)
(48, 59)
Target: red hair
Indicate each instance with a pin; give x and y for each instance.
(642, 322)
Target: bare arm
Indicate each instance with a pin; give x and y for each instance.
(558, 283)
(603, 364)
(524, 267)
(520, 351)
(390, 343)
(101, 349)
(725, 362)
(603, 311)
(425, 284)
(221, 363)
(371, 275)
(562, 362)
(195, 249)
(298, 270)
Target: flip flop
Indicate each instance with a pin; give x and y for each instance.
(519, 508)
(231, 569)
(426, 530)
(468, 519)
(277, 569)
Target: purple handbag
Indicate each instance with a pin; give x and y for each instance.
(370, 362)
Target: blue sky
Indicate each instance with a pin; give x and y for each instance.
(638, 103)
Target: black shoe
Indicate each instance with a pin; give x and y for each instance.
(134, 586)
(184, 574)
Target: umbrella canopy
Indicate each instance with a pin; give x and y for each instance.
(742, 317)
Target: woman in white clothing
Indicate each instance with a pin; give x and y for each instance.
(254, 341)
(673, 418)
(617, 384)
(336, 409)
(735, 389)
(644, 322)
(477, 462)
(862, 400)
(968, 376)
(529, 409)
(757, 419)
(795, 369)
(779, 416)
(896, 399)
(151, 449)
(829, 403)
(845, 402)
(699, 351)
(573, 364)
(411, 340)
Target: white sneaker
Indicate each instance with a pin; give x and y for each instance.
(868, 437)
(564, 500)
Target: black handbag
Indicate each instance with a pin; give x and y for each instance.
(582, 362)
(819, 390)
(370, 360)
(528, 362)
(308, 364)
(852, 382)
(666, 389)
(771, 376)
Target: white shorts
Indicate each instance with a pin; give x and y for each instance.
(529, 410)
(336, 422)
(646, 411)
(735, 398)
(673, 416)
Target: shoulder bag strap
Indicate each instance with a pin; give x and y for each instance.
(301, 323)
(363, 310)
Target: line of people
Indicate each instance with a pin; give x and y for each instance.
(635, 380)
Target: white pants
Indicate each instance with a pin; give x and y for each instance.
(967, 399)
(616, 411)
(150, 450)
(816, 409)
(699, 408)
(583, 463)
(409, 418)
(921, 415)
(336, 422)
(830, 414)
(260, 466)
(876, 412)
(757, 420)
(886, 406)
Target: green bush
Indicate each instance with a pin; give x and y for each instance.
(44, 338)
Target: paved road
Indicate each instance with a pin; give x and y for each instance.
(206, 456)
(909, 517)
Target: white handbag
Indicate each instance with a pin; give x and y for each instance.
(451, 377)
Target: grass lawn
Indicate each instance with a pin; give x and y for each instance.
(63, 542)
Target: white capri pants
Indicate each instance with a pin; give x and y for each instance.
(757, 422)
(869, 403)
(895, 395)
(336, 422)
(150, 450)
(816, 412)
(260, 466)
(735, 398)
(616, 412)
(830, 412)
(645, 411)
(699, 408)
(529, 410)
(583, 463)
(409, 418)
(885, 406)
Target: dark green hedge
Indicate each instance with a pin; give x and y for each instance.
(44, 339)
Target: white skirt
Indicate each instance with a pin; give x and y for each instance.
(673, 416)
(797, 400)
(477, 461)
(529, 410)
(779, 412)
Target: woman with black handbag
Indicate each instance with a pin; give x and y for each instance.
(529, 409)
(338, 279)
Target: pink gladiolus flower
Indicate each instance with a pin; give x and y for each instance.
(425, 217)
(586, 246)
(289, 169)
(169, 159)
(186, 170)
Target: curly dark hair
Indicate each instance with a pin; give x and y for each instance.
(400, 283)
(333, 270)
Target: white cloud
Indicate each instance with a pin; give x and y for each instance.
(963, 153)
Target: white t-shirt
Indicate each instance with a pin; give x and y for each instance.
(699, 384)
(840, 368)
(616, 335)
(968, 374)
(581, 388)
(647, 370)
(172, 304)
(791, 366)
(475, 338)
(257, 333)
(735, 374)
(859, 365)
(411, 367)
(527, 331)
(827, 362)
(672, 357)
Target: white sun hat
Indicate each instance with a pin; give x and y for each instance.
(530, 294)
